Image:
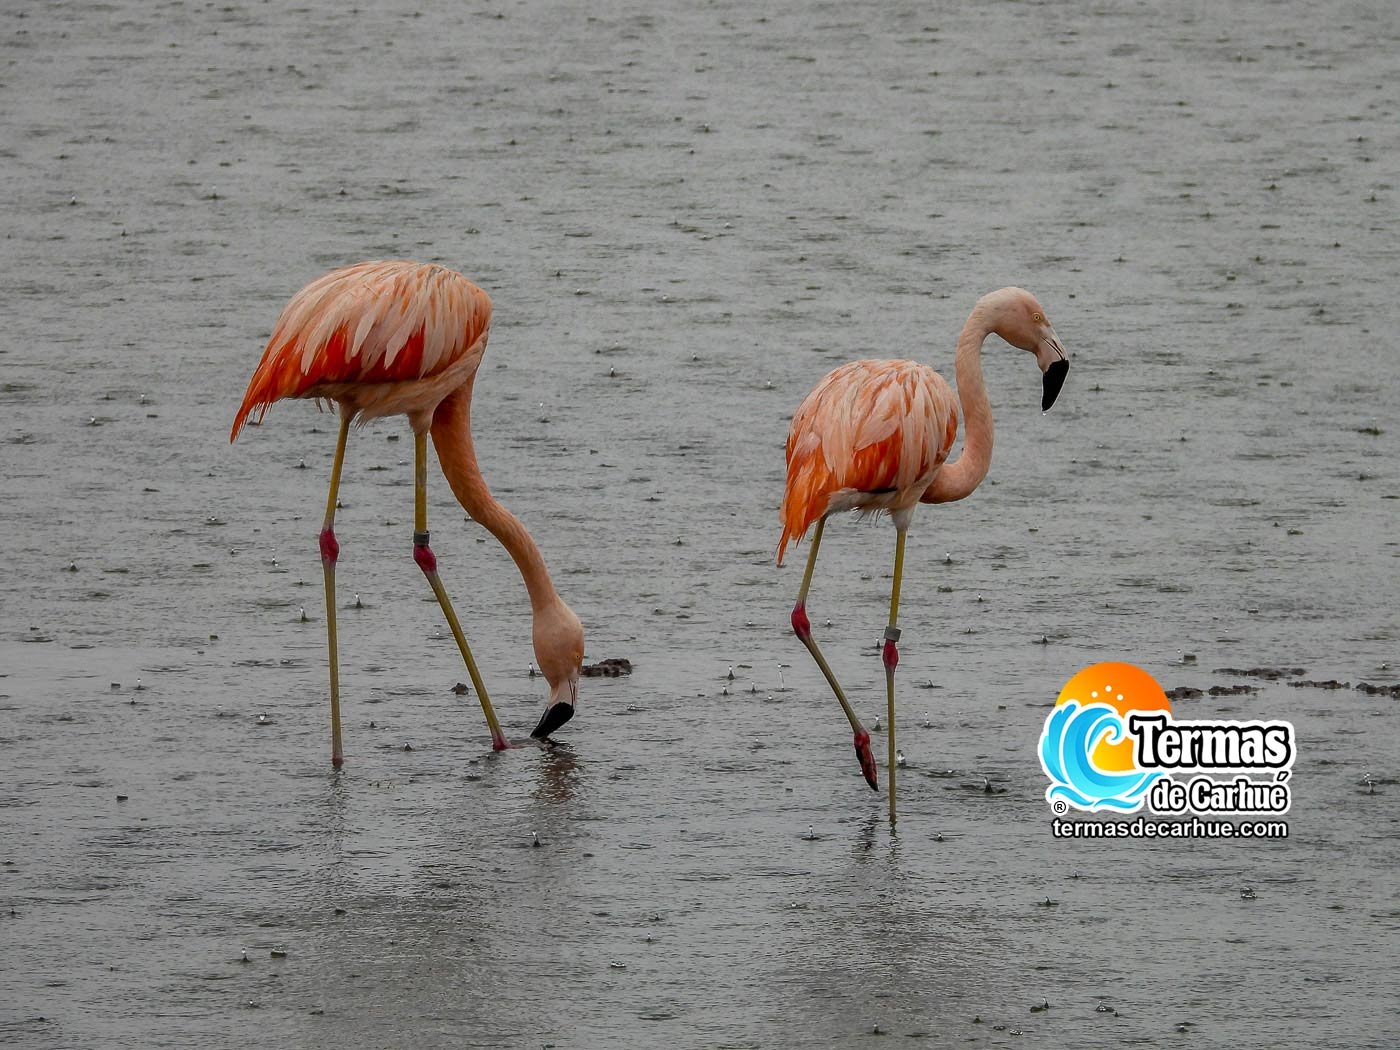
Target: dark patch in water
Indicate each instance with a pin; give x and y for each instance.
(1379, 690)
(1267, 673)
(613, 667)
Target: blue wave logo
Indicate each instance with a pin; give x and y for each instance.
(1067, 746)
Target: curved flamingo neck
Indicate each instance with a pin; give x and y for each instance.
(452, 437)
(959, 478)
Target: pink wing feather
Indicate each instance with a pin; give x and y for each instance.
(374, 322)
(870, 427)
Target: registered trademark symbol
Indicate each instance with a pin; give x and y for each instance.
(1060, 807)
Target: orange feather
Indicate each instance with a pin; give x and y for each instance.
(375, 322)
(870, 436)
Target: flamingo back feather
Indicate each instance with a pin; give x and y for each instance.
(374, 322)
(869, 427)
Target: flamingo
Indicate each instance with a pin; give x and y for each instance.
(874, 437)
(404, 338)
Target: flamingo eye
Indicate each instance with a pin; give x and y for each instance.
(1037, 317)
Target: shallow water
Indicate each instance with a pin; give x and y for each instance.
(686, 214)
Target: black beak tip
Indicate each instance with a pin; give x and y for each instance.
(1050, 385)
(554, 717)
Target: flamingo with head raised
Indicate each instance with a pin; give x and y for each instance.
(874, 437)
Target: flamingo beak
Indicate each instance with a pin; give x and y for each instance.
(561, 708)
(1054, 364)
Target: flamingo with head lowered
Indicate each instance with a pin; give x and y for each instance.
(406, 338)
(874, 437)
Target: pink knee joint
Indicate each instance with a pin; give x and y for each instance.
(801, 626)
(891, 654)
(423, 554)
(330, 548)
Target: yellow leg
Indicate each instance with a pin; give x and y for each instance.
(423, 555)
(330, 551)
(802, 627)
(891, 658)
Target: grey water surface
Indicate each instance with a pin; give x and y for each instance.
(687, 213)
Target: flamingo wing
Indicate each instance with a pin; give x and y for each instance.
(873, 427)
(374, 322)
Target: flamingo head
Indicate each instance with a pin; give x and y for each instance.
(558, 638)
(1017, 316)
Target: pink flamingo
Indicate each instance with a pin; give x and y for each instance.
(873, 437)
(405, 338)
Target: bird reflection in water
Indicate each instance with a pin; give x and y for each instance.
(559, 774)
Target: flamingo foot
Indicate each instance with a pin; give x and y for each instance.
(554, 717)
(867, 759)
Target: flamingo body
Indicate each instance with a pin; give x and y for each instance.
(871, 437)
(383, 338)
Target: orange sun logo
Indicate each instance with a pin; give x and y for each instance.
(1124, 688)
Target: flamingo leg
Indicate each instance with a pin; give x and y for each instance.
(330, 551)
(890, 656)
(802, 627)
(427, 561)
